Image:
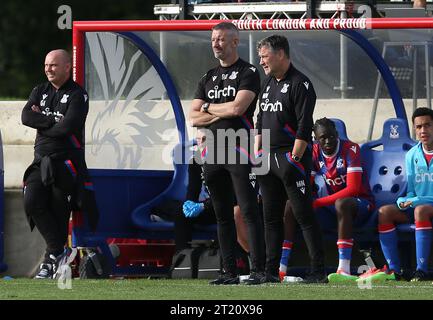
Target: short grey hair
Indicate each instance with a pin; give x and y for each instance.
(275, 43)
(227, 26)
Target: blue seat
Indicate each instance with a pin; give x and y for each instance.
(341, 128)
(384, 162)
(175, 191)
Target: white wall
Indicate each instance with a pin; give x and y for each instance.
(18, 139)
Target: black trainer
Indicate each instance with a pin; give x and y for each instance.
(45, 271)
(48, 268)
(225, 279)
(420, 275)
(255, 278)
(316, 277)
(261, 277)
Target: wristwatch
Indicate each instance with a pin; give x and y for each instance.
(295, 158)
(205, 107)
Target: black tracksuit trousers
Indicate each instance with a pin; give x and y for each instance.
(225, 181)
(49, 208)
(288, 179)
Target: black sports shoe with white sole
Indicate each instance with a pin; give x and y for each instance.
(225, 279)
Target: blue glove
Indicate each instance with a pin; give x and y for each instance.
(196, 209)
(187, 206)
(192, 209)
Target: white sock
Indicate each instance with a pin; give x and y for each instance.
(344, 265)
(283, 268)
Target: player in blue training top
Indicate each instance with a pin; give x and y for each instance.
(347, 196)
(418, 204)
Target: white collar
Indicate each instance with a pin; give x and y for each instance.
(425, 151)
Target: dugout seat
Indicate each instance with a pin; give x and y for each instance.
(141, 216)
(175, 191)
(384, 162)
(341, 128)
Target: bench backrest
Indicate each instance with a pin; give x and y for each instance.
(341, 128)
(383, 160)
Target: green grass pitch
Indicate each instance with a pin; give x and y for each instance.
(164, 289)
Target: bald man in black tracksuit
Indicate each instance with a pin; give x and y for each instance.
(57, 181)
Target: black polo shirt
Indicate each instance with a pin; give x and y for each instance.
(221, 84)
(286, 109)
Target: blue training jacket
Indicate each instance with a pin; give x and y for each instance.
(419, 178)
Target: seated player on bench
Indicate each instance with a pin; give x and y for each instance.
(416, 205)
(348, 198)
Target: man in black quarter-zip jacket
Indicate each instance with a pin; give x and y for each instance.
(57, 180)
(286, 104)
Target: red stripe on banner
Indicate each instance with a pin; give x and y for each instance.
(79, 27)
(383, 228)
